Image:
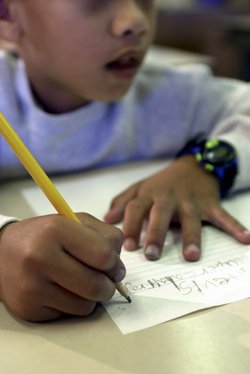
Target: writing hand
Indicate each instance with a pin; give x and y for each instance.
(51, 266)
(183, 193)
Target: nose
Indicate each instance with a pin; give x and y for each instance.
(130, 20)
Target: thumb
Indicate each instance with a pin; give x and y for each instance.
(118, 271)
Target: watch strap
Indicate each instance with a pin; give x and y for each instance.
(224, 171)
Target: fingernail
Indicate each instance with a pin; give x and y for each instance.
(120, 275)
(130, 244)
(153, 252)
(192, 251)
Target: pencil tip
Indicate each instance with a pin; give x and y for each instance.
(129, 299)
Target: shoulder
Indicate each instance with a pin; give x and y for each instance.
(162, 68)
(155, 78)
(189, 82)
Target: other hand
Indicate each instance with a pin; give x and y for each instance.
(183, 193)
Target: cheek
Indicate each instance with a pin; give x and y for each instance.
(79, 44)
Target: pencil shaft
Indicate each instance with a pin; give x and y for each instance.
(41, 178)
(35, 170)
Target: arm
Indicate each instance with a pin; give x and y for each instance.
(184, 192)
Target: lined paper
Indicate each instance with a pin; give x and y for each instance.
(172, 288)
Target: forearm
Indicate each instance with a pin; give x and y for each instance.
(236, 131)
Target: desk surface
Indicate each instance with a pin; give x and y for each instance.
(163, 57)
(214, 341)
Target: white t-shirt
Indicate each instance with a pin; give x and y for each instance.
(161, 112)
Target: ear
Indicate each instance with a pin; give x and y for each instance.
(9, 26)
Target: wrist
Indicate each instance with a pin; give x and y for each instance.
(216, 157)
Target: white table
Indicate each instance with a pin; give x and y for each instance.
(212, 341)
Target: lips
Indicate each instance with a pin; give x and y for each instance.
(126, 65)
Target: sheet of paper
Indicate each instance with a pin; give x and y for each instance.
(171, 287)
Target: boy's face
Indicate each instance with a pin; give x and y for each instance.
(76, 51)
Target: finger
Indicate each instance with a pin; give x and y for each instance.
(160, 217)
(40, 298)
(54, 302)
(112, 233)
(135, 213)
(59, 300)
(88, 246)
(81, 280)
(191, 230)
(118, 204)
(81, 243)
(224, 221)
(85, 287)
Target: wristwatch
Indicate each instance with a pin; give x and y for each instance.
(217, 157)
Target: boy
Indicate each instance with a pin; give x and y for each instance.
(77, 101)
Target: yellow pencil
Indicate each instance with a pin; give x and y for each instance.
(41, 178)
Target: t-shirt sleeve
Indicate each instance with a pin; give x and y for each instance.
(5, 220)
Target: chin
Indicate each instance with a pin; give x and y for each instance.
(115, 95)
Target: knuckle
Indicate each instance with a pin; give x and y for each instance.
(138, 203)
(106, 257)
(33, 260)
(117, 237)
(50, 226)
(30, 258)
(134, 204)
(161, 206)
(189, 210)
(87, 219)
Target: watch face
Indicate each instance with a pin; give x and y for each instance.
(222, 153)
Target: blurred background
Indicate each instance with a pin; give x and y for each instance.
(219, 29)
(216, 32)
